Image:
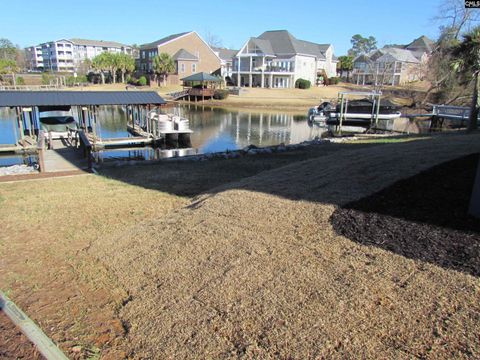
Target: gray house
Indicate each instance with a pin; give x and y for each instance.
(393, 65)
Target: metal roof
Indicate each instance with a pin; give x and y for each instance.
(201, 76)
(100, 43)
(49, 98)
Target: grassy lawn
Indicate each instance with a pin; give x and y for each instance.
(68, 245)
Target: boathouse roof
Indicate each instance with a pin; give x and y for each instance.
(79, 98)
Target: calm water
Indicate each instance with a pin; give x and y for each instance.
(215, 129)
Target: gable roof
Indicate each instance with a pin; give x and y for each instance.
(282, 42)
(423, 44)
(101, 43)
(225, 54)
(392, 54)
(163, 40)
(183, 54)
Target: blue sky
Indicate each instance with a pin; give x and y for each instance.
(31, 22)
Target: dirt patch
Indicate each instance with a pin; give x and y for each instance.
(13, 344)
(423, 217)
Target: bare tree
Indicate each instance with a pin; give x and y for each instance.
(453, 15)
(213, 40)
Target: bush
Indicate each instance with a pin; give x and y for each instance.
(220, 94)
(20, 80)
(302, 84)
(142, 81)
(47, 78)
(334, 80)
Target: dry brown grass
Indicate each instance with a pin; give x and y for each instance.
(47, 227)
(254, 269)
(250, 268)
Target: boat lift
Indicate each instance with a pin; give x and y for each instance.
(344, 97)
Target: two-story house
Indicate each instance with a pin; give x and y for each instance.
(393, 65)
(189, 51)
(276, 59)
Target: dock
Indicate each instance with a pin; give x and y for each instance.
(63, 156)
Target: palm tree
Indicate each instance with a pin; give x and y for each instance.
(162, 66)
(9, 67)
(101, 63)
(346, 64)
(126, 64)
(467, 63)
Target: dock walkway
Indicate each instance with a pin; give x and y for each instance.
(64, 157)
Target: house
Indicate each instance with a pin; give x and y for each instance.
(189, 51)
(34, 58)
(277, 59)
(393, 65)
(66, 55)
(226, 62)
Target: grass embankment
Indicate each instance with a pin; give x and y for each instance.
(231, 258)
(280, 99)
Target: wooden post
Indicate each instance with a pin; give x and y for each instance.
(474, 207)
(41, 151)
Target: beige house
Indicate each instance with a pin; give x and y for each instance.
(189, 51)
(393, 65)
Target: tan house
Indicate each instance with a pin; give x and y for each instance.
(189, 51)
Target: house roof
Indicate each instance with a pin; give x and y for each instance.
(97, 43)
(225, 54)
(163, 40)
(183, 54)
(282, 42)
(68, 98)
(201, 76)
(422, 44)
(397, 55)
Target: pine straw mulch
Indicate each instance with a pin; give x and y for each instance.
(255, 269)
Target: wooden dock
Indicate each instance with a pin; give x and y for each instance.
(63, 157)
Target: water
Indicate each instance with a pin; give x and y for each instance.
(215, 129)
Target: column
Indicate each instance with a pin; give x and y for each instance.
(250, 77)
(263, 80)
(238, 72)
(271, 81)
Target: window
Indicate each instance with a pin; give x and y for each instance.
(182, 68)
(194, 68)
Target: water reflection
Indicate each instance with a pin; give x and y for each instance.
(215, 129)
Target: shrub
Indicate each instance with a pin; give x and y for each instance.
(302, 84)
(334, 80)
(20, 80)
(220, 94)
(142, 81)
(46, 78)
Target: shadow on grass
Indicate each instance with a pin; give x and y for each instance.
(423, 217)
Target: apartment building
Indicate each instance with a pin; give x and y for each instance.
(34, 58)
(65, 55)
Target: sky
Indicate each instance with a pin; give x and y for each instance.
(30, 22)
